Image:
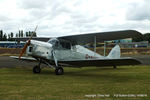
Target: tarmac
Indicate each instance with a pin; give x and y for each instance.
(6, 61)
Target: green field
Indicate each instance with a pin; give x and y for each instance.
(76, 84)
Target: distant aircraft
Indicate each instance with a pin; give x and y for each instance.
(66, 51)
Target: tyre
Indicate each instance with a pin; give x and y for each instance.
(36, 69)
(59, 71)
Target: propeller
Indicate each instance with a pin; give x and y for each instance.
(27, 44)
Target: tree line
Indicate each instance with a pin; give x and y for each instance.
(10, 36)
(143, 37)
(21, 33)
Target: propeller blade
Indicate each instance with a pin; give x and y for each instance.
(33, 32)
(24, 48)
(28, 43)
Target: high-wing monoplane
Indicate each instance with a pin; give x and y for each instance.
(67, 51)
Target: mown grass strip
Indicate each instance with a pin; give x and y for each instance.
(21, 84)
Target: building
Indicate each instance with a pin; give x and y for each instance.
(45, 39)
(135, 44)
(127, 40)
(11, 44)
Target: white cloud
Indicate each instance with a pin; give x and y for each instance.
(140, 11)
(64, 17)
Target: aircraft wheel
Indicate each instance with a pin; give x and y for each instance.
(59, 71)
(36, 69)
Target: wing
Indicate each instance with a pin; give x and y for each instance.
(86, 63)
(24, 58)
(103, 62)
(101, 36)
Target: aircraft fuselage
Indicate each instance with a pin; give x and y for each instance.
(63, 53)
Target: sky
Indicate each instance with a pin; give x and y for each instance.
(68, 17)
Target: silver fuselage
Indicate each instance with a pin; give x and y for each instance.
(43, 50)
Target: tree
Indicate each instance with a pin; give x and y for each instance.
(146, 37)
(5, 37)
(9, 37)
(21, 33)
(17, 35)
(138, 39)
(11, 34)
(34, 34)
(1, 35)
(27, 34)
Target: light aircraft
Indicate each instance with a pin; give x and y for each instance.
(67, 51)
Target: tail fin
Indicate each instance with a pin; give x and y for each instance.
(114, 53)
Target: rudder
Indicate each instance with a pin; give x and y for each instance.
(115, 52)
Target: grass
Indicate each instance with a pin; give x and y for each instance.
(8, 54)
(76, 84)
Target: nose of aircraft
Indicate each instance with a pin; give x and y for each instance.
(40, 43)
(40, 49)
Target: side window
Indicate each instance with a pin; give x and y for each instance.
(65, 45)
(68, 46)
(30, 49)
(60, 44)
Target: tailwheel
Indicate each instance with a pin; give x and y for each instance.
(114, 66)
(36, 69)
(59, 71)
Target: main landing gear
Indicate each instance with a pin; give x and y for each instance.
(36, 69)
(58, 70)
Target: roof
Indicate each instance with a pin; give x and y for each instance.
(45, 39)
(10, 42)
(101, 36)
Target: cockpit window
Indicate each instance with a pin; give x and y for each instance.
(54, 41)
(59, 44)
(65, 45)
